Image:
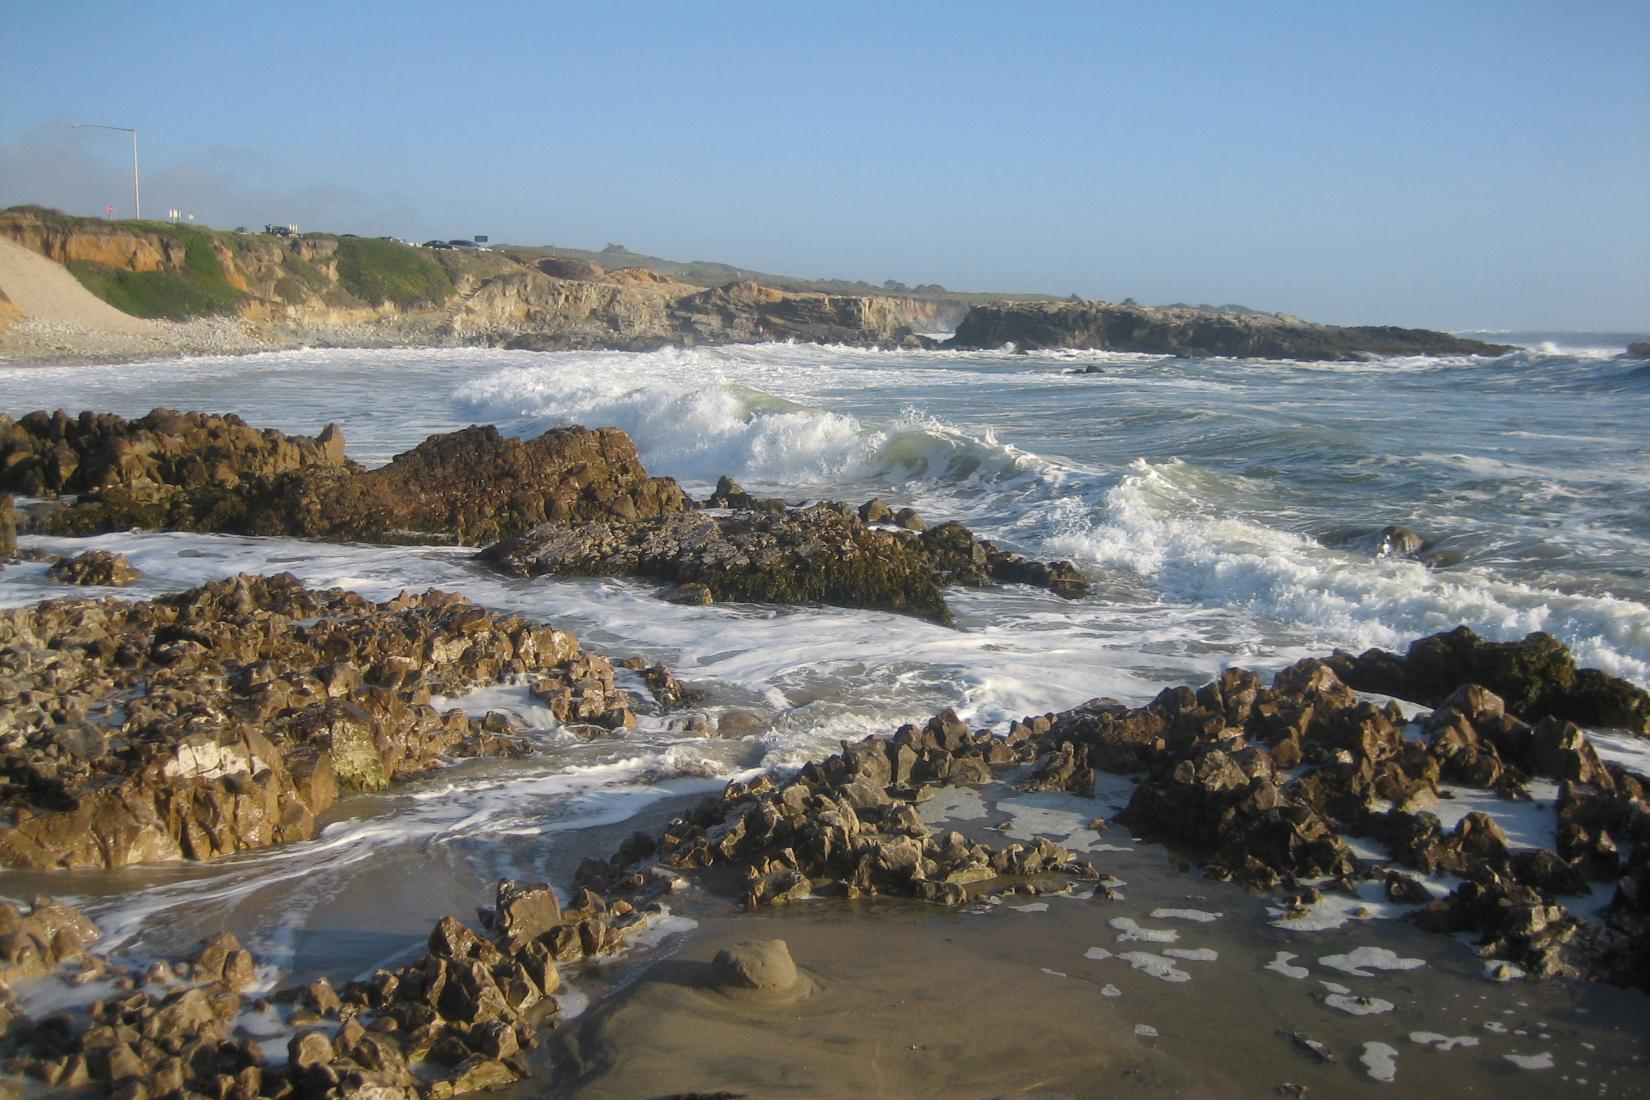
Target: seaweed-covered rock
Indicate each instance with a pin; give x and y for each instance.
(1537, 678)
(473, 485)
(226, 717)
(812, 555)
(820, 554)
(45, 453)
(95, 567)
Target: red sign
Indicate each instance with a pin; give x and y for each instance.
(109, 210)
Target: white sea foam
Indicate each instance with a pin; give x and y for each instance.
(1157, 523)
(1363, 961)
(1200, 916)
(1358, 1006)
(1442, 1042)
(1281, 964)
(1380, 1061)
(1129, 930)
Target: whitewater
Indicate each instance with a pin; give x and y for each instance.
(1226, 512)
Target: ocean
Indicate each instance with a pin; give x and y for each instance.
(1227, 512)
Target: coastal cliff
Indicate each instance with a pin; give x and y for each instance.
(353, 291)
(1102, 326)
(346, 291)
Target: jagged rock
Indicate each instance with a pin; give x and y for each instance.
(819, 554)
(1397, 542)
(261, 703)
(38, 941)
(195, 472)
(1537, 678)
(54, 453)
(8, 527)
(813, 555)
(525, 911)
(690, 594)
(98, 567)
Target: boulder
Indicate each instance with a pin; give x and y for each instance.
(1536, 678)
(755, 966)
(98, 567)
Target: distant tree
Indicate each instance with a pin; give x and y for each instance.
(611, 247)
(895, 285)
(1130, 302)
(1075, 297)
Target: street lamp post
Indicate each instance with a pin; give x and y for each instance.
(137, 201)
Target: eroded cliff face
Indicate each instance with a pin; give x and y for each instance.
(330, 289)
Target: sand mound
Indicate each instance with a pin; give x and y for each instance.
(44, 290)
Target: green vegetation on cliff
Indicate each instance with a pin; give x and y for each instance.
(387, 271)
(198, 288)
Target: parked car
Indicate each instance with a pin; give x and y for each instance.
(468, 246)
(436, 244)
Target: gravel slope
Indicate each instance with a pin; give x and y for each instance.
(62, 321)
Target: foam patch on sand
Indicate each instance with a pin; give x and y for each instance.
(952, 804)
(1031, 907)
(1380, 1061)
(1528, 825)
(1063, 818)
(1632, 753)
(1363, 961)
(1199, 915)
(1335, 909)
(1145, 1031)
(1280, 965)
(1359, 1006)
(1442, 1042)
(1157, 966)
(1192, 954)
(1544, 1060)
(1129, 931)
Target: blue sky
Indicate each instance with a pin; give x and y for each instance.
(1445, 164)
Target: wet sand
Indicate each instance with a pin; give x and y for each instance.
(1174, 989)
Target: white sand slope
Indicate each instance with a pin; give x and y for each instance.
(44, 290)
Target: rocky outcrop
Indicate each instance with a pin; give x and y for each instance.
(846, 827)
(196, 472)
(459, 1018)
(769, 553)
(227, 717)
(1636, 351)
(94, 567)
(1102, 326)
(54, 453)
(1213, 763)
(1537, 677)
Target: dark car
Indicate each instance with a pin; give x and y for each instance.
(435, 244)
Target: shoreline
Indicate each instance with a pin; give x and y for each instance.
(1053, 938)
